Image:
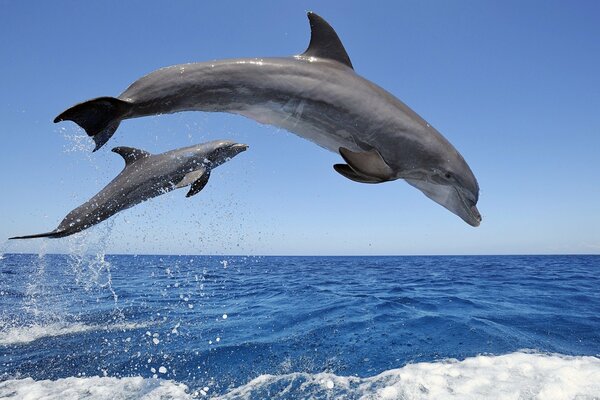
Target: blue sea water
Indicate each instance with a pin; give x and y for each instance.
(160, 327)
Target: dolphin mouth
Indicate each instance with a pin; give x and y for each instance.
(471, 209)
(240, 146)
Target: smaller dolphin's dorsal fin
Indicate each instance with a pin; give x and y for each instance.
(131, 154)
(324, 42)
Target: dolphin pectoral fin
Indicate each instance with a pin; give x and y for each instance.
(130, 154)
(198, 179)
(324, 42)
(199, 184)
(368, 163)
(346, 171)
(190, 178)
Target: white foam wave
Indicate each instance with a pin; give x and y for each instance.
(93, 388)
(27, 334)
(516, 376)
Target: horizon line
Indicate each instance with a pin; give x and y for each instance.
(313, 255)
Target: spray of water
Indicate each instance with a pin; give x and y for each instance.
(87, 260)
(36, 295)
(3, 248)
(76, 141)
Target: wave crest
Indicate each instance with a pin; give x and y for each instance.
(518, 375)
(93, 388)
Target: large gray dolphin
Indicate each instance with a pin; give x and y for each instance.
(316, 95)
(146, 176)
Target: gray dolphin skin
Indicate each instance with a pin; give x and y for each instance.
(316, 95)
(146, 176)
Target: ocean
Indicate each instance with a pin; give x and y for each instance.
(94, 326)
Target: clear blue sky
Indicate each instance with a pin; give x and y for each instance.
(514, 85)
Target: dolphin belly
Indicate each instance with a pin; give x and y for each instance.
(312, 127)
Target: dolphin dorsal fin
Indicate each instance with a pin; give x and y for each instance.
(131, 154)
(324, 42)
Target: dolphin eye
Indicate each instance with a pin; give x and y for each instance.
(448, 175)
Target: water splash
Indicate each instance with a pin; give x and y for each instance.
(54, 304)
(76, 142)
(38, 303)
(3, 247)
(87, 260)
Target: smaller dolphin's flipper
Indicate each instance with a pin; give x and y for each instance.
(52, 235)
(199, 184)
(324, 42)
(368, 163)
(198, 179)
(130, 154)
(190, 178)
(99, 117)
(346, 171)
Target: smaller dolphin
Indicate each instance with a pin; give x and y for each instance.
(146, 176)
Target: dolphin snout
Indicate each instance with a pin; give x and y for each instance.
(240, 146)
(476, 216)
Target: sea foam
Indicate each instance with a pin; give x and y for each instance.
(515, 376)
(27, 334)
(93, 388)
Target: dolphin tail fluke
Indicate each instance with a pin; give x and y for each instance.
(52, 235)
(99, 117)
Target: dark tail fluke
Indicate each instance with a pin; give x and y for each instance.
(52, 235)
(99, 117)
